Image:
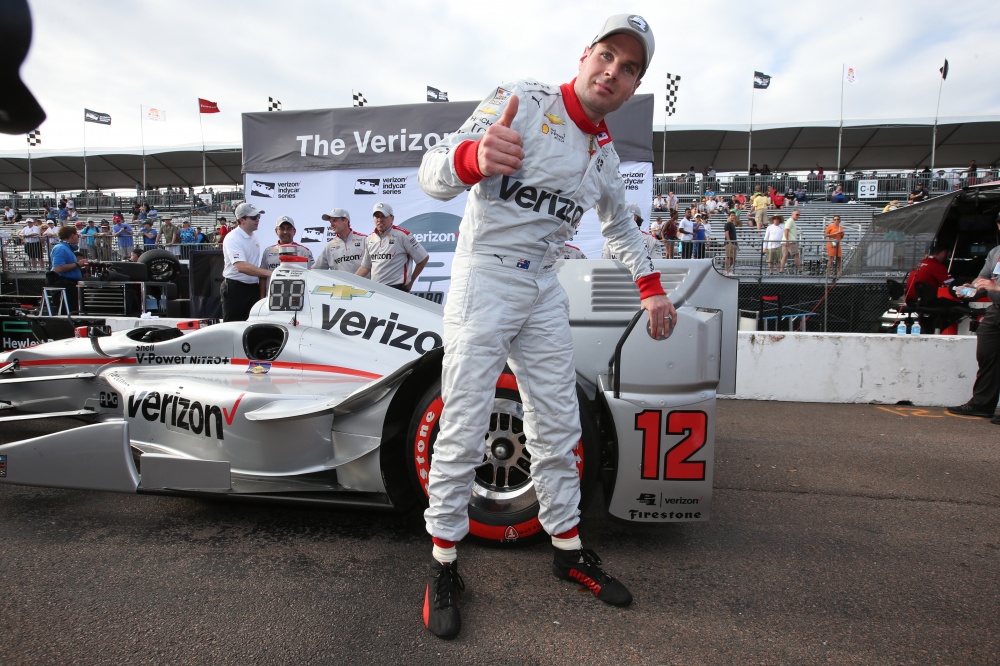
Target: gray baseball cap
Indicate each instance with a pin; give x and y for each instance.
(337, 212)
(383, 208)
(284, 219)
(630, 24)
(246, 210)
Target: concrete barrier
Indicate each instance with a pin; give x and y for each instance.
(930, 370)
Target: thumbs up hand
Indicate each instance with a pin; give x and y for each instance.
(501, 148)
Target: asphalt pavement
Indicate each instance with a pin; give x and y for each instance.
(840, 534)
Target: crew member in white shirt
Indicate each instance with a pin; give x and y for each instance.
(242, 271)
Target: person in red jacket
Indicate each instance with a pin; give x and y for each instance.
(932, 273)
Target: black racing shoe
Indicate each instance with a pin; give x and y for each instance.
(995, 420)
(443, 592)
(584, 566)
(968, 409)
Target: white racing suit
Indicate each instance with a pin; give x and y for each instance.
(505, 300)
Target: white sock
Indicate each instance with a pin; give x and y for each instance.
(444, 555)
(572, 543)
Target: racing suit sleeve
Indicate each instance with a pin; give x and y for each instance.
(624, 238)
(451, 167)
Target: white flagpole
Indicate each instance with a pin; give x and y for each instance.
(750, 135)
(142, 138)
(204, 179)
(85, 152)
(663, 157)
(840, 134)
(937, 109)
(29, 170)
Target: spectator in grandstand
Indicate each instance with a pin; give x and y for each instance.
(148, 234)
(711, 173)
(919, 193)
(103, 242)
(62, 214)
(738, 201)
(188, 239)
(66, 265)
(654, 226)
(765, 170)
(772, 242)
(753, 170)
(692, 175)
(892, 205)
(699, 237)
(31, 235)
(669, 232)
(759, 203)
(686, 234)
(8, 214)
(673, 205)
(791, 245)
(732, 246)
(659, 204)
(838, 195)
(223, 229)
(972, 173)
(702, 205)
(834, 235)
(986, 390)
(170, 236)
(87, 235)
(801, 197)
(270, 258)
(711, 205)
(51, 235)
(123, 237)
(777, 198)
(199, 238)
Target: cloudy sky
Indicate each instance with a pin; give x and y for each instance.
(114, 55)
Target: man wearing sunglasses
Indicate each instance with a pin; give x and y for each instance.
(242, 272)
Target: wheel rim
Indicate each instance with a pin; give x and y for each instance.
(160, 271)
(503, 483)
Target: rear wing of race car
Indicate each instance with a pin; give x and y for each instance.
(659, 396)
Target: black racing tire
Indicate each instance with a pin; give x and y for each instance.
(162, 265)
(503, 510)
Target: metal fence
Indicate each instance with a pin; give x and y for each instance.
(18, 256)
(890, 185)
(97, 203)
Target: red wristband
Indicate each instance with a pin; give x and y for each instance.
(467, 162)
(649, 285)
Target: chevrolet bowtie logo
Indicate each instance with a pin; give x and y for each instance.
(554, 119)
(343, 292)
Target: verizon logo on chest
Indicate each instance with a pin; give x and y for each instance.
(541, 201)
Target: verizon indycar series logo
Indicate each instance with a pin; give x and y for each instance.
(380, 186)
(285, 190)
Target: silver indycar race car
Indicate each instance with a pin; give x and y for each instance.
(330, 393)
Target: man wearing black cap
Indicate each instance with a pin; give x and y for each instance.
(535, 157)
(242, 271)
(986, 390)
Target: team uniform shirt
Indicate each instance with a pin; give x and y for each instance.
(653, 246)
(572, 167)
(62, 255)
(572, 252)
(343, 254)
(240, 246)
(271, 257)
(388, 257)
(930, 271)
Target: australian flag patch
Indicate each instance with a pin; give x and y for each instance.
(523, 263)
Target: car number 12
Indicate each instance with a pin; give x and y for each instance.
(677, 465)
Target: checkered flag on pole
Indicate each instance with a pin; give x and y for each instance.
(359, 99)
(673, 83)
(34, 138)
(273, 104)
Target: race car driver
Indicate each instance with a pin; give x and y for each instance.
(286, 245)
(536, 157)
(389, 250)
(345, 250)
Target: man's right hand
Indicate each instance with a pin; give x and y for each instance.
(500, 150)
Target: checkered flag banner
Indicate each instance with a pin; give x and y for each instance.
(673, 83)
(273, 104)
(359, 99)
(35, 138)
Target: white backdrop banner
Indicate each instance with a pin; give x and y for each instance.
(306, 195)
